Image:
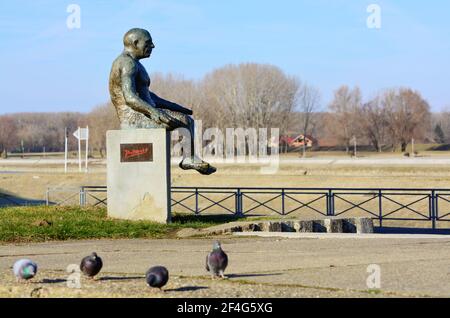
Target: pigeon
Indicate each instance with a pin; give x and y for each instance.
(216, 261)
(24, 269)
(91, 265)
(157, 277)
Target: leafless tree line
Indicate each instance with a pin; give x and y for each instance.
(393, 118)
(247, 95)
(38, 132)
(253, 96)
(32, 132)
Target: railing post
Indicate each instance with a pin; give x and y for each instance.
(330, 205)
(196, 201)
(47, 197)
(82, 197)
(380, 207)
(327, 196)
(433, 209)
(239, 203)
(236, 203)
(436, 207)
(282, 202)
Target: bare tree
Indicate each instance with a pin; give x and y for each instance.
(374, 122)
(39, 130)
(346, 111)
(178, 89)
(250, 95)
(308, 103)
(8, 134)
(408, 116)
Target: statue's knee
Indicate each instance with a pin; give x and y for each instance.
(189, 121)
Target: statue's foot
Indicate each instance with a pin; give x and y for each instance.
(199, 165)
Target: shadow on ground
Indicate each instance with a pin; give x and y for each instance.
(53, 281)
(410, 230)
(186, 289)
(251, 275)
(445, 147)
(213, 219)
(110, 278)
(9, 199)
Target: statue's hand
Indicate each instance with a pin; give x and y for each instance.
(164, 118)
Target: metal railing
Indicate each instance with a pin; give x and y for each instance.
(83, 196)
(382, 204)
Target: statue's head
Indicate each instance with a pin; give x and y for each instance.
(139, 43)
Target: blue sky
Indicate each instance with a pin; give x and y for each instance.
(47, 67)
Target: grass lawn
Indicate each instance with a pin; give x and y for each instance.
(38, 224)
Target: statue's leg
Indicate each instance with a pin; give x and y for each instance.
(191, 127)
(135, 120)
(190, 160)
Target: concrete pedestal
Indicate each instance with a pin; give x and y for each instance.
(139, 174)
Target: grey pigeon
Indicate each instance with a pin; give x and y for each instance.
(91, 265)
(24, 269)
(217, 261)
(157, 277)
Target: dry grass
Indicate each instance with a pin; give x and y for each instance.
(33, 183)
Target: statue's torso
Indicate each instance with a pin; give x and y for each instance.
(129, 117)
(143, 83)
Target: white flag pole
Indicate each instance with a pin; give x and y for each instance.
(65, 150)
(79, 150)
(87, 147)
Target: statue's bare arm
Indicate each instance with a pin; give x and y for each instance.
(162, 103)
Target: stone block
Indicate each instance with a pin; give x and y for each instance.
(304, 226)
(364, 225)
(334, 225)
(358, 225)
(138, 174)
(270, 226)
(252, 227)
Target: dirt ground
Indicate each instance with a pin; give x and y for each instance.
(258, 267)
(31, 178)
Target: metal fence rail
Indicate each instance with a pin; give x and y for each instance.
(382, 204)
(64, 196)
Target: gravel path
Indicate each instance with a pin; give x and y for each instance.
(112, 285)
(259, 267)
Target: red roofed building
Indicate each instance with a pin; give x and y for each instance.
(298, 141)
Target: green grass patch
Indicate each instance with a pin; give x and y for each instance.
(38, 224)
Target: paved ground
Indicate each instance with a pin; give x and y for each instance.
(326, 160)
(259, 267)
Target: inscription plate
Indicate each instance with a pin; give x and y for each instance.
(136, 152)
